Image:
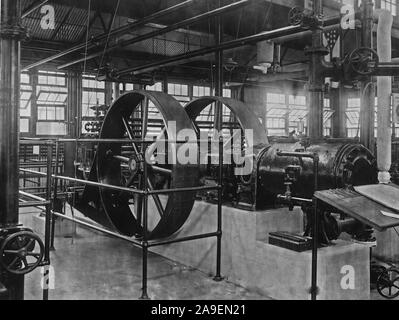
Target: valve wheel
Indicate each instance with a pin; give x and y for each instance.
(295, 16)
(364, 61)
(388, 283)
(21, 253)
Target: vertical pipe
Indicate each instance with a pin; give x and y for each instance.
(316, 78)
(218, 276)
(384, 91)
(11, 34)
(144, 294)
(74, 120)
(117, 91)
(55, 193)
(47, 228)
(315, 230)
(367, 116)
(219, 75)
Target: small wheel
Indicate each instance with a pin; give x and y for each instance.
(388, 283)
(295, 16)
(21, 253)
(364, 61)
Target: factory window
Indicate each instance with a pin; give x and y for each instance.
(93, 95)
(155, 119)
(199, 91)
(352, 117)
(25, 105)
(327, 115)
(276, 114)
(125, 87)
(298, 112)
(389, 5)
(51, 103)
(180, 92)
(156, 87)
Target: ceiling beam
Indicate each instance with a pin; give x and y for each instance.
(33, 7)
(115, 32)
(172, 27)
(266, 35)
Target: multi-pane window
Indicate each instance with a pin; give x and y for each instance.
(155, 120)
(25, 105)
(276, 114)
(157, 86)
(327, 116)
(51, 93)
(298, 112)
(389, 5)
(93, 95)
(180, 92)
(352, 117)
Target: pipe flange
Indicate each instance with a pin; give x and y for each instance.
(317, 50)
(16, 32)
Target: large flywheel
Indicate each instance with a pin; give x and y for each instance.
(135, 116)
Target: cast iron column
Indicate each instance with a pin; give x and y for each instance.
(367, 115)
(11, 34)
(219, 75)
(74, 111)
(316, 77)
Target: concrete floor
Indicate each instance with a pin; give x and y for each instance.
(94, 266)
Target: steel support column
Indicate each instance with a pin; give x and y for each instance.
(367, 113)
(11, 34)
(316, 78)
(219, 75)
(74, 117)
(338, 103)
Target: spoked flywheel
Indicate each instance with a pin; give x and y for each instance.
(138, 115)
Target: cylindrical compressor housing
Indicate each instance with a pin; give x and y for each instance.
(341, 164)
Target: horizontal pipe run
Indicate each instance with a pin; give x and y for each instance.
(184, 239)
(34, 142)
(90, 183)
(33, 8)
(156, 33)
(28, 204)
(108, 186)
(121, 30)
(266, 35)
(169, 191)
(51, 142)
(297, 154)
(91, 226)
(293, 199)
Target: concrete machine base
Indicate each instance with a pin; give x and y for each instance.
(248, 260)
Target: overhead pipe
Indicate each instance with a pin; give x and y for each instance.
(122, 30)
(384, 92)
(156, 33)
(266, 35)
(367, 116)
(33, 8)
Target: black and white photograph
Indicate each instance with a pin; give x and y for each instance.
(199, 158)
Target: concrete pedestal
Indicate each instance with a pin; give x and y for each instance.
(248, 260)
(63, 228)
(387, 246)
